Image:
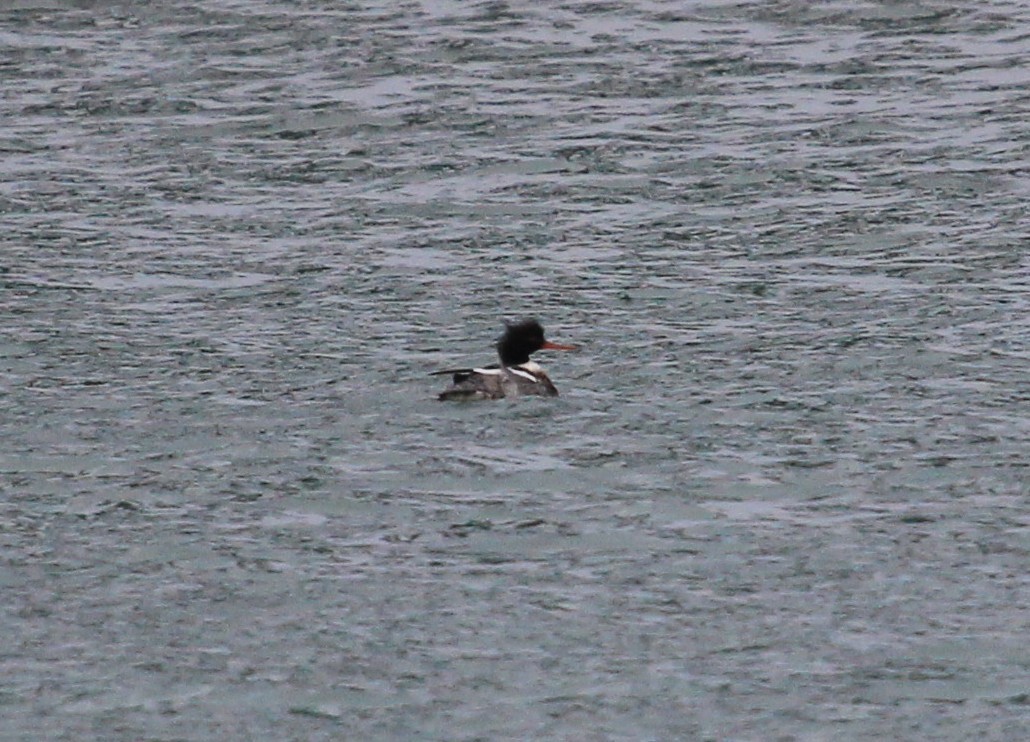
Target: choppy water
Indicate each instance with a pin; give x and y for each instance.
(783, 495)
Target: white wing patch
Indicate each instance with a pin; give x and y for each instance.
(529, 371)
(523, 372)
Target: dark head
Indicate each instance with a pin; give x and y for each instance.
(522, 339)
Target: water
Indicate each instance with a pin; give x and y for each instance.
(783, 495)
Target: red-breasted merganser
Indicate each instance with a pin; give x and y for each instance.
(516, 375)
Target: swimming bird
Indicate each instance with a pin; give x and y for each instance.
(516, 375)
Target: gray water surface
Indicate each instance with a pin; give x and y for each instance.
(784, 494)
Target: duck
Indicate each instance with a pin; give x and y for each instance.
(515, 376)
